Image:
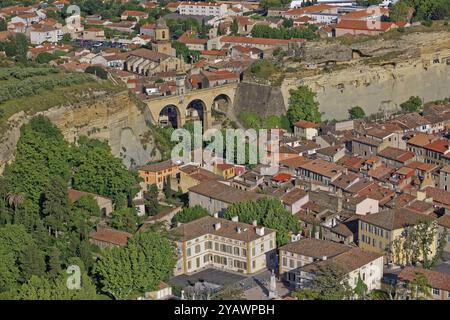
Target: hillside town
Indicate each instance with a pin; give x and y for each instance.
(349, 208)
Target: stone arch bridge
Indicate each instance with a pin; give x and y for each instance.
(203, 100)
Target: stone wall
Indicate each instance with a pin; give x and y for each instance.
(264, 100)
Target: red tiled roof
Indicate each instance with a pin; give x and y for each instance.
(305, 124)
(315, 8)
(262, 41)
(134, 13)
(282, 177)
(438, 280)
(111, 235)
(440, 146)
(364, 25)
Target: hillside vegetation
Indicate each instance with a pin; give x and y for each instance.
(36, 89)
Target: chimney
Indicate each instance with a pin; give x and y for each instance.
(217, 226)
(238, 229)
(216, 215)
(235, 219)
(254, 223)
(324, 258)
(260, 231)
(295, 237)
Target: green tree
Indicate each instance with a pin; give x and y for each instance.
(234, 28)
(17, 47)
(56, 208)
(399, 12)
(41, 154)
(330, 283)
(167, 188)
(357, 113)
(54, 263)
(412, 104)
(267, 212)
(419, 287)
(3, 25)
(229, 292)
(151, 200)
(148, 259)
(97, 71)
(44, 57)
(360, 288)
(96, 170)
(32, 262)
(189, 214)
(9, 272)
(124, 219)
(302, 105)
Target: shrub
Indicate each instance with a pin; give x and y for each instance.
(97, 71)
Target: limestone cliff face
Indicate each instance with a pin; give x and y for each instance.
(377, 75)
(376, 88)
(116, 119)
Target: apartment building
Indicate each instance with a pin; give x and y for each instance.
(356, 263)
(373, 142)
(216, 196)
(444, 178)
(203, 9)
(157, 173)
(321, 171)
(378, 231)
(305, 129)
(439, 281)
(300, 261)
(230, 245)
(297, 254)
(43, 33)
(191, 175)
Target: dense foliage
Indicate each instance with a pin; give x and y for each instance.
(357, 112)
(148, 259)
(264, 31)
(254, 121)
(97, 71)
(424, 10)
(189, 214)
(303, 106)
(269, 213)
(41, 231)
(330, 283)
(412, 104)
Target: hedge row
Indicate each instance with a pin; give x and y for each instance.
(23, 73)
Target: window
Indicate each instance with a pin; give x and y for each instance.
(188, 252)
(208, 245)
(253, 264)
(291, 263)
(253, 251)
(436, 291)
(236, 251)
(262, 247)
(197, 248)
(197, 262)
(189, 265)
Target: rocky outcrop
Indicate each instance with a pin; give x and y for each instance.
(377, 74)
(117, 119)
